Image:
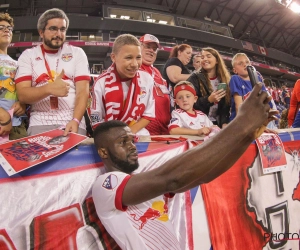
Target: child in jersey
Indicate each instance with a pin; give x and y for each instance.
(186, 120)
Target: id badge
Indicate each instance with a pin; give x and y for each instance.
(158, 90)
(53, 102)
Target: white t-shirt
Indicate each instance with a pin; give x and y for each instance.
(143, 226)
(182, 119)
(32, 67)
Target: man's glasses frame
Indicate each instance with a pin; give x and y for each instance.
(9, 28)
(54, 29)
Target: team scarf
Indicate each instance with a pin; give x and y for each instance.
(130, 111)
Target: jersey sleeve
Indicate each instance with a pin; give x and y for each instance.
(107, 192)
(175, 120)
(82, 71)
(98, 106)
(24, 71)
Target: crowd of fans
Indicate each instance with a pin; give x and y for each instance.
(131, 89)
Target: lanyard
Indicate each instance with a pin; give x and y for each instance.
(47, 65)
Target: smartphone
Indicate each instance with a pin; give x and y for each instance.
(252, 75)
(222, 86)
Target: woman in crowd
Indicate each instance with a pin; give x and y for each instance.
(175, 69)
(212, 89)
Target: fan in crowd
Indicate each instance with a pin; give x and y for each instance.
(197, 62)
(13, 126)
(124, 92)
(159, 125)
(54, 78)
(186, 120)
(175, 69)
(294, 113)
(211, 85)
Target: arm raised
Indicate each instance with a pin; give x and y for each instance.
(208, 160)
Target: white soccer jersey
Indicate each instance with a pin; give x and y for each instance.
(32, 67)
(98, 110)
(143, 226)
(182, 119)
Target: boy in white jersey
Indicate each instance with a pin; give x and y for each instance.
(187, 120)
(124, 92)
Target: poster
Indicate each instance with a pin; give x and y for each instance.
(271, 152)
(18, 155)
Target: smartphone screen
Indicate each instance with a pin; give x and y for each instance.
(222, 86)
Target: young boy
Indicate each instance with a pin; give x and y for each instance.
(186, 120)
(240, 85)
(124, 92)
(15, 126)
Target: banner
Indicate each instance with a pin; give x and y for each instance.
(49, 206)
(55, 210)
(247, 208)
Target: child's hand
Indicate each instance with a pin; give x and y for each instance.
(216, 95)
(204, 130)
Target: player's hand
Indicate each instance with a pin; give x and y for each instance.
(216, 95)
(59, 87)
(255, 114)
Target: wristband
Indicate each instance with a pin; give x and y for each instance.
(76, 120)
(5, 123)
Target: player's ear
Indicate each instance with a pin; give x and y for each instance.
(234, 70)
(196, 98)
(103, 153)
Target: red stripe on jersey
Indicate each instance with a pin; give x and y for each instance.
(118, 200)
(23, 78)
(82, 78)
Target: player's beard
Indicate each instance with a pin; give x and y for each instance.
(124, 166)
(53, 44)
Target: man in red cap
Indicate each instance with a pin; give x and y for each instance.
(149, 49)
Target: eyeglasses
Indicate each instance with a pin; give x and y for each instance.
(54, 29)
(150, 46)
(9, 28)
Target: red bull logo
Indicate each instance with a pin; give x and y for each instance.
(159, 211)
(143, 92)
(67, 57)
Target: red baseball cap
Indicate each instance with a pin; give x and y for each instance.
(147, 38)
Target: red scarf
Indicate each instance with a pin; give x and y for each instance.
(113, 96)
